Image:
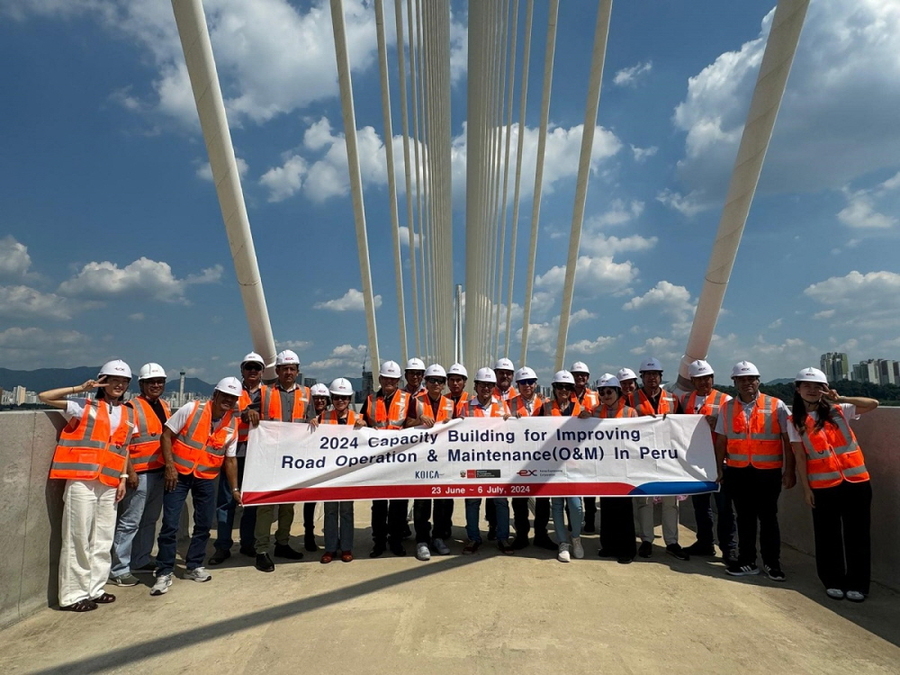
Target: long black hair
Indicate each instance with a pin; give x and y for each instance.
(823, 413)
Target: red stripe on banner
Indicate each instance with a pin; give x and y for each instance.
(439, 491)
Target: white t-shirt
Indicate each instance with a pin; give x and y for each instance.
(783, 414)
(848, 409)
(75, 409)
(179, 419)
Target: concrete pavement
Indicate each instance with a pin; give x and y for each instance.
(470, 614)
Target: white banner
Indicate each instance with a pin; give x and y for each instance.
(481, 457)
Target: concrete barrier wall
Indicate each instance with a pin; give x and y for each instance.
(31, 507)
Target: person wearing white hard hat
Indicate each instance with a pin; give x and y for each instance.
(140, 507)
(413, 374)
(320, 398)
(564, 404)
(485, 404)
(616, 513)
(628, 383)
(436, 409)
(503, 371)
(389, 408)
(339, 515)
(197, 440)
(284, 401)
(835, 482)
(252, 367)
(754, 462)
(587, 397)
(651, 399)
(457, 376)
(526, 404)
(95, 481)
(707, 401)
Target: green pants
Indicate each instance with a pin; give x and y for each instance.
(264, 516)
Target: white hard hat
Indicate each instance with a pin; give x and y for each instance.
(563, 377)
(650, 364)
(415, 364)
(149, 370)
(504, 364)
(625, 374)
(525, 373)
(287, 358)
(390, 369)
(341, 387)
(117, 368)
(700, 368)
(743, 369)
(458, 369)
(811, 375)
(319, 389)
(435, 370)
(253, 357)
(486, 375)
(230, 386)
(609, 380)
(580, 367)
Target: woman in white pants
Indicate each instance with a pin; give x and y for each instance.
(92, 456)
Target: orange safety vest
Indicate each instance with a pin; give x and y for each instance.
(756, 442)
(144, 448)
(832, 453)
(444, 412)
(244, 427)
(473, 408)
(517, 405)
(270, 403)
(388, 418)
(512, 392)
(89, 450)
(710, 406)
(668, 404)
(620, 410)
(552, 408)
(589, 399)
(331, 417)
(458, 406)
(197, 448)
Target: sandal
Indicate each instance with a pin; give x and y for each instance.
(104, 599)
(80, 606)
(346, 556)
(326, 558)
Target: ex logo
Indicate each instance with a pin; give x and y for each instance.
(527, 472)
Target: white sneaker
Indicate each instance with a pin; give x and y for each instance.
(834, 593)
(855, 596)
(161, 586)
(422, 552)
(563, 555)
(577, 548)
(441, 547)
(198, 574)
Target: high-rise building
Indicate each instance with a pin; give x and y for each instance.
(886, 368)
(19, 395)
(836, 366)
(867, 371)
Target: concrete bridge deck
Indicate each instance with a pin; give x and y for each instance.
(470, 614)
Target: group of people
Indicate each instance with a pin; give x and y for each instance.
(127, 461)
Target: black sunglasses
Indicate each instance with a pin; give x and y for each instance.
(435, 380)
(252, 366)
(565, 387)
(607, 390)
(530, 382)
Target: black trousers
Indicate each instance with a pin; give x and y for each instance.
(590, 510)
(309, 517)
(726, 532)
(521, 516)
(841, 522)
(389, 520)
(755, 493)
(490, 512)
(443, 519)
(617, 535)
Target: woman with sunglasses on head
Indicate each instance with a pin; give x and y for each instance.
(320, 399)
(339, 515)
(616, 513)
(565, 404)
(92, 457)
(835, 482)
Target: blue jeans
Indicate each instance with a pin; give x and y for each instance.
(473, 519)
(576, 517)
(225, 510)
(203, 495)
(136, 526)
(335, 511)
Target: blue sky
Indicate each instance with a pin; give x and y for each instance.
(112, 243)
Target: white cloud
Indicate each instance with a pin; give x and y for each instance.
(542, 337)
(860, 301)
(343, 359)
(351, 301)
(669, 298)
(600, 244)
(641, 154)
(204, 171)
(628, 77)
(37, 347)
(834, 124)
(137, 316)
(23, 301)
(591, 346)
(864, 206)
(14, 258)
(285, 180)
(824, 314)
(144, 278)
(593, 274)
(405, 237)
(662, 348)
(688, 205)
(619, 213)
(296, 345)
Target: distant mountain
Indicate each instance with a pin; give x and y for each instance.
(781, 380)
(50, 378)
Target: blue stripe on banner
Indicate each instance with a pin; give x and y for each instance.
(663, 488)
